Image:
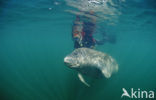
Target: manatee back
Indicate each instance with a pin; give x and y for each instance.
(95, 63)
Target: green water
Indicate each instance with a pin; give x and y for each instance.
(34, 41)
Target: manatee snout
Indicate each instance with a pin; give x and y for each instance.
(67, 61)
(70, 62)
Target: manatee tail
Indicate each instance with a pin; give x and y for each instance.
(82, 80)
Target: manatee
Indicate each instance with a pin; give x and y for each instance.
(92, 63)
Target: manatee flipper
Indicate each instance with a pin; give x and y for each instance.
(82, 80)
(106, 73)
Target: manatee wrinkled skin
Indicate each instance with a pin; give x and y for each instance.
(91, 62)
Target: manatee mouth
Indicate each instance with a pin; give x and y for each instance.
(68, 62)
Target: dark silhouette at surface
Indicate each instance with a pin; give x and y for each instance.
(83, 30)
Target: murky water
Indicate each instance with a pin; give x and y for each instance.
(35, 36)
